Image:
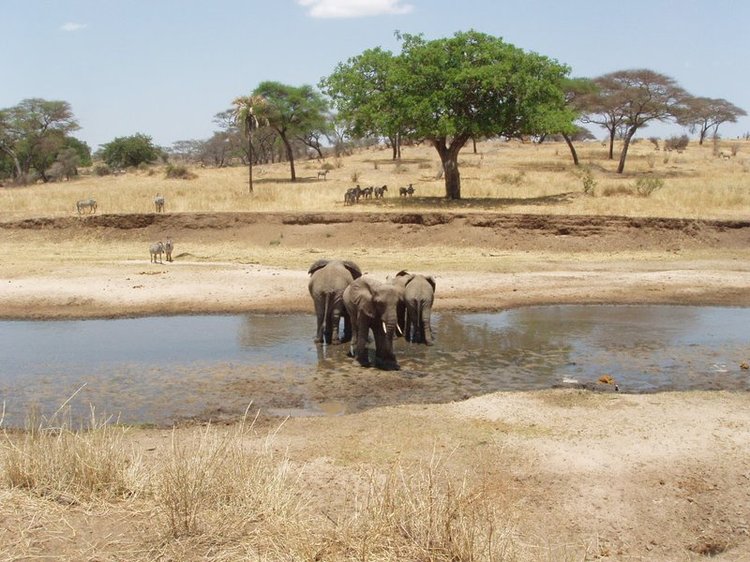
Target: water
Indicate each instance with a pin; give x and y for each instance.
(163, 369)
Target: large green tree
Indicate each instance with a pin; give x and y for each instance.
(291, 111)
(366, 92)
(33, 132)
(446, 91)
(123, 152)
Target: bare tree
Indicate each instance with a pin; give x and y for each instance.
(706, 114)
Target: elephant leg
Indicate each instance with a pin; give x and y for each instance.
(428, 336)
(384, 355)
(347, 327)
(360, 343)
(335, 321)
(320, 317)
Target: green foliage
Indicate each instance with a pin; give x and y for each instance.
(646, 186)
(124, 152)
(447, 91)
(32, 134)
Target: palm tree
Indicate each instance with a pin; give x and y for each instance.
(244, 116)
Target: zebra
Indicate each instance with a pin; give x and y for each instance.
(159, 203)
(404, 191)
(379, 192)
(367, 192)
(168, 247)
(89, 204)
(156, 249)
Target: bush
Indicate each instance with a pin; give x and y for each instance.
(587, 179)
(646, 186)
(102, 170)
(179, 172)
(676, 143)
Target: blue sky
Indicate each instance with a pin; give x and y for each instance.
(166, 67)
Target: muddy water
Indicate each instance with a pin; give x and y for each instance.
(163, 369)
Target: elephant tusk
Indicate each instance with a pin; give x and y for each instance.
(385, 330)
(399, 330)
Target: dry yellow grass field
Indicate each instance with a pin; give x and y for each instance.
(503, 176)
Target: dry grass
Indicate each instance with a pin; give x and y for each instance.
(222, 493)
(507, 176)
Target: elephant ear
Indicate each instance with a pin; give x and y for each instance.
(353, 269)
(320, 264)
(431, 281)
(402, 273)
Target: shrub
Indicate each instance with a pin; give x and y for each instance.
(654, 141)
(355, 176)
(178, 171)
(102, 170)
(327, 166)
(676, 143)
(646, 186)
(587, 179)
(512, 179)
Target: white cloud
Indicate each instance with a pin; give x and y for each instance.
(354, 8)
(71, 26)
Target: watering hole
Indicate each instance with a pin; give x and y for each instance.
(161, 370)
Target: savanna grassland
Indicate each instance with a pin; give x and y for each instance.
(560, 474)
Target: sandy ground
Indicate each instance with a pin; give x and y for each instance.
(592, 475)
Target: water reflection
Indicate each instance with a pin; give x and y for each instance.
(161, 369)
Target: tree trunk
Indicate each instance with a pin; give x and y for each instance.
(449, 159)
(572, 148)
(474, 142)
(289, 155)
(612, 134)
(16, 163)
(625, 146)
(250, 162)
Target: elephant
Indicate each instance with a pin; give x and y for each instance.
(416, 308)
(372, 305)
(328, 279)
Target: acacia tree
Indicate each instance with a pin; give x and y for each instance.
(628, 100)
(33, 132)
(291, 112)
(447, 91)
(703, 114)
(124, 152)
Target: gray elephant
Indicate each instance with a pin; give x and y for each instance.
(415, 309)
(372, 305)
(328, 279)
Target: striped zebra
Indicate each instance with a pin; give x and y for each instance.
(168, 247)
(156, 249)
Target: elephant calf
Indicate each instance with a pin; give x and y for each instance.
(373, 305)
(415, 310)
(328, 279)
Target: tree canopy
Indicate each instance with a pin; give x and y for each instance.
(32, 134)
(446, 91)
(704, 114)
(628, 100)
(293, 112)
(123, 152)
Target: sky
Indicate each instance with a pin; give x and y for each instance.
(165, 68)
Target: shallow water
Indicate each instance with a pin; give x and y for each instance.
(162, 369)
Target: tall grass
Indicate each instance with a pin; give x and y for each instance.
(72, 465)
